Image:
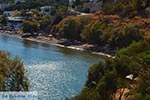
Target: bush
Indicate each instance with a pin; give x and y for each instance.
(70, 29)
(30, 26)
(45, 22)
(107, 77)
(92, 32)
(12, 74)
(123, 7)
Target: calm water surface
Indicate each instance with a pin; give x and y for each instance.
(54, 72)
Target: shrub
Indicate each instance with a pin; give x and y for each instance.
(12, 74)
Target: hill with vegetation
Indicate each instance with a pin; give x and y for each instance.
(36, 4)
(127, 8)
(105, 79)
(104, 30)
(122, 24)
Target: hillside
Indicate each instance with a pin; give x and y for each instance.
(107, 79)
(36, 4)
(104, 30)
(125, 26)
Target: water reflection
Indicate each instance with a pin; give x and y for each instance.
(45, 45)
(4, 38)
(67, 51)
(28, 43)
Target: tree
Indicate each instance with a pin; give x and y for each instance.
(92, 32)
(35, 12)
(30, 26)
(70, 29)
(107, 85)
(45, 22)
(142, 92)
(105, 78)
(12, 74)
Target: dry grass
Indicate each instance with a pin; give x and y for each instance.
(117, 95)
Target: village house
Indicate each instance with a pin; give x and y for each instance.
(15, 22)
(8, 13)
(13, 19)
(3, 6)
(48, 10)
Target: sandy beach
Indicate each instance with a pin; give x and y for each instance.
(53, 41)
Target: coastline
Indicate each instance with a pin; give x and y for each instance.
(55, 42)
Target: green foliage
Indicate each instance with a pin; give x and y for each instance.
(107, 85)
(32, 4)
(95, 73)
(122, 37)
(71, 29)
(35, 11)
(45, 22)
(63, 8)
(99, 32)
(106, 78)
(135, 48)
(6, 1)
(30, 26)
(102, 78)
(3, 19)
(145, 56)
(80, 2)
(125, 8)
(92, 32)
(12, 74)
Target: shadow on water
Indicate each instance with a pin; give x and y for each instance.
(28, 43)
(45, 45)
(85, 55)
(5, 39)
(67, 51)
(35, 44)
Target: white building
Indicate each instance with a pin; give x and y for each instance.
(93, 6)
(15, 22)
(3, 6)
(8, 13)
(45, 10)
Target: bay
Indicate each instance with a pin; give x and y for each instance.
(54, 72)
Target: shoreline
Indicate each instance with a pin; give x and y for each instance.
(55, 42)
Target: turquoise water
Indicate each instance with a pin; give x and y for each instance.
(54, 72)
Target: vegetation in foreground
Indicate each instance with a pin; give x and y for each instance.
(130, 68)
(12, 74)
(105, 79)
